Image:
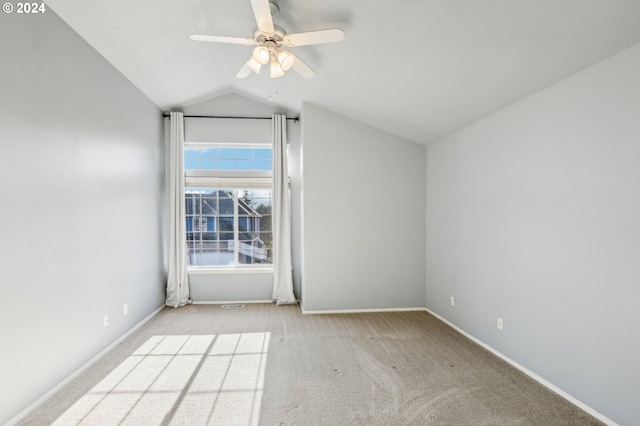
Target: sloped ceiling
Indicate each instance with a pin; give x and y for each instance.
(420, 69)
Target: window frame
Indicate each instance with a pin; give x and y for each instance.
(235, 180)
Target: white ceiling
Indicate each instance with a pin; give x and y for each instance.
(420, 69)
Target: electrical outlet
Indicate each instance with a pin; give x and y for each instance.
(125, 309)
(106, 320)
(500, 323)
(453, 301)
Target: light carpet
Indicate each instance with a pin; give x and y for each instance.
(271, 365)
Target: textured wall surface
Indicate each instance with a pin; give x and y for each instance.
(363, 227)
(532, 216)
(81, 181)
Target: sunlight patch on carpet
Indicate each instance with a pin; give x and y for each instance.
(180, 380)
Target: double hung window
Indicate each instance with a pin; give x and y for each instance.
(228, 203)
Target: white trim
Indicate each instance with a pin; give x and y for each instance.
(231, 145)
(223, 271)
(529, 373)
(213, 174)
(80, 370)
(359, 311)
(230, 302)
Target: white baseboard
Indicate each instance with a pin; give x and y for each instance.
(359, 311)
(80, 370)
(529, 373)
(227, 302)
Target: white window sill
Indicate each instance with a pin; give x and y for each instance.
(225, 271)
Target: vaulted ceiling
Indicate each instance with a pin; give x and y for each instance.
(420, 69)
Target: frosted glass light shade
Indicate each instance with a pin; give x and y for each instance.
(261, 55)
(286, 59)
(276, 70)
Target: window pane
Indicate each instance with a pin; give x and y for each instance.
(225, 203)
(209, 236)
(262, 153)
(193, 253)
(243, 164)
(243, 154)
(210, 253)
(227, 153)
(245, 196)
(245, 210)
(209, 153)
(226, 165)
(267, 238)
(191, 153)
(252, 253)
(261, 164)
(262, 205)
(208, 205)
(208, 158)
(217, 237)
(257, 250)
(191, 163)
(248, 236)
(207, 165)
(192, 204)
(226, 236)
(264, 224)
(226, 224)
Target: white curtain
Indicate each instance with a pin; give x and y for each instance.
(282, 277)
(177, 278)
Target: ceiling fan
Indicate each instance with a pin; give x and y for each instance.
(270, 39)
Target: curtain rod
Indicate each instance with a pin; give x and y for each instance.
(239, 118)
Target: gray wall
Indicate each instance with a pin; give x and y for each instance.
(363, 198)
(231, 287)
(533, 216)
(80, 182)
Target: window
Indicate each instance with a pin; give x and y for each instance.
(209, 157)
(228, 202)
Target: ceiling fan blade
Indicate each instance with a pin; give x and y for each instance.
(222, 39)
(302, 68)
(314, 37)
(262, 12)
(244, 72)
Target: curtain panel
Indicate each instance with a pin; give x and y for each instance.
(177, 278)
(282, 275)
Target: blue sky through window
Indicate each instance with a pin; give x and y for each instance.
(227, 158)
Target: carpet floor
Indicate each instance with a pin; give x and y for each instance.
(263, 364)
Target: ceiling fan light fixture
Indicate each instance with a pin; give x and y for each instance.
(286, 59)
(261, 55)
(269, 38)
(254, 65)
(276, 69)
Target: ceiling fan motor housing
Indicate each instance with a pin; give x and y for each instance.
(277, 37)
